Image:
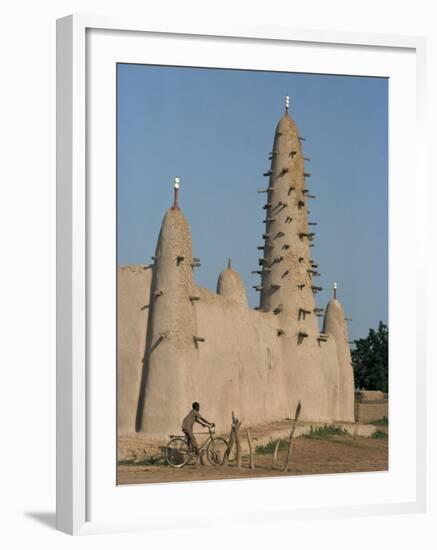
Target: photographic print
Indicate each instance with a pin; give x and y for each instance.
(252, 274)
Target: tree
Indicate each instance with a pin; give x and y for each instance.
(370, 360)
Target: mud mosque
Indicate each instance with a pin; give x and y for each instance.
(179, 342)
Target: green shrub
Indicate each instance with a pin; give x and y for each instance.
(325, 432)
(380, 422)
(270, 447)
(379, 434)
(146, 461)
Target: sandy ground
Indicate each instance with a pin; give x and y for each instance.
(339, 454)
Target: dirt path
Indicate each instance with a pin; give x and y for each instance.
(310, 456)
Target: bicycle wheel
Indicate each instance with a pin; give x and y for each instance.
(177, 453)
(216, 450)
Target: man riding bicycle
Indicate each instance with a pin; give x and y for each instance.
(188, 422)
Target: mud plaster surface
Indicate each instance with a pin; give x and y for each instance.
(218, 351)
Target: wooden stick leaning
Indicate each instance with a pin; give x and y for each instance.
(232, 439)
(290, 439)
(249, 441)
(275, 452)
(230, 447)
(236, 427)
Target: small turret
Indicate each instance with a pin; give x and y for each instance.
(335, 325)
(230, 285)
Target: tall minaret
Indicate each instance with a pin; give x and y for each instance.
(286, 268)
(172, 325)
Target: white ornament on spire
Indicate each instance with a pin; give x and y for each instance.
(287, 102)
(176, 183)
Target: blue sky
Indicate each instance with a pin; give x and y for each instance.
(214, 129)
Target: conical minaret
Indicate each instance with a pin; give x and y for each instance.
(287, 271)
(172, 327)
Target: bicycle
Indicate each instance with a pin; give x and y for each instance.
(179, 452)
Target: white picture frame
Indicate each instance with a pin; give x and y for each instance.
(75, 397)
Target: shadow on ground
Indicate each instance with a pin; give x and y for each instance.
(45, 518)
